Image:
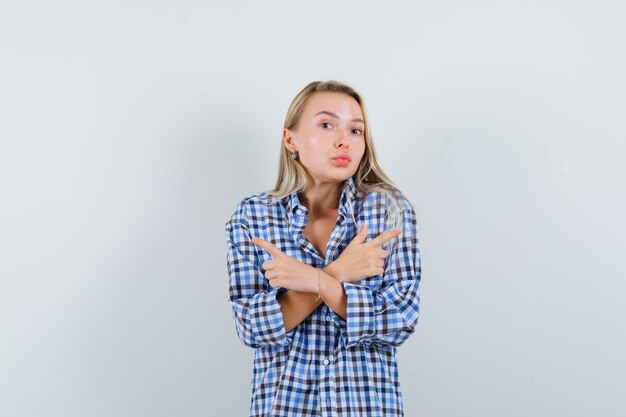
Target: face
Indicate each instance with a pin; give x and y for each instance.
(331, 125)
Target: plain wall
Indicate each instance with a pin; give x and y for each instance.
(130, 130)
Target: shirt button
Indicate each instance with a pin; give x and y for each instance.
(300, 212)
(327, 318)
(326, 361)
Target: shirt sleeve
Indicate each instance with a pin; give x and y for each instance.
(257, 313)
(387, 315)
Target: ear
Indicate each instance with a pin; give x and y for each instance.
(288, 140)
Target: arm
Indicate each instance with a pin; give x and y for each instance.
(387, 315)
(255, 308)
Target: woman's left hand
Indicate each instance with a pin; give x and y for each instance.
(284, 271)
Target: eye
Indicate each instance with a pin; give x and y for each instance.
(360, 131)
(324, 123)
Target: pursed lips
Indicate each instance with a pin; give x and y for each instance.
(342, 157)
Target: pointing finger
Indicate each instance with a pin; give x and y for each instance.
(383, 237)
(268, 246)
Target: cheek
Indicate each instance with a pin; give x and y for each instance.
(361, 149)
(315, 156)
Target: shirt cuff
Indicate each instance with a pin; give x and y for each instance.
(266, 318)
(359, 326)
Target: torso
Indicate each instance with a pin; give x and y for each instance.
(318, 230)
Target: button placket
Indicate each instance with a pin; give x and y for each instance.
(330, 398)
(333, 243)
(326, 382)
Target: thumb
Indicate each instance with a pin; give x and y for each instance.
(360, 237)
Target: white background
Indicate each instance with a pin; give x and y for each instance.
(129, 130)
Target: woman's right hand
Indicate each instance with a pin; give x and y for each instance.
(362, 260)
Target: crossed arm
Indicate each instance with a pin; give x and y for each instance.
(264, 314)
(297, 305)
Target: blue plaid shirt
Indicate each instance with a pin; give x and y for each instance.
(325, 366)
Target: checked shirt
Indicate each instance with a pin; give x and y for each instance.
(325, 366)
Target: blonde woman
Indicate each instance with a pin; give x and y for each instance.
(312, 288)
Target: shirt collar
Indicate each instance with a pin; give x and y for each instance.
(296, 209)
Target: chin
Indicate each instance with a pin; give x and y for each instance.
(342, 176)
(335, 174)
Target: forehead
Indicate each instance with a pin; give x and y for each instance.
(341, 104)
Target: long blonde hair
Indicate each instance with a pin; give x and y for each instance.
(369, 176)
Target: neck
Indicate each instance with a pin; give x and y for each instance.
(322, 198)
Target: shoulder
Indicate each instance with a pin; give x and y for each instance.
(385, 210)
(254, 206)
(387, 201)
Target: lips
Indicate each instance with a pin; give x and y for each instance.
(342, 157)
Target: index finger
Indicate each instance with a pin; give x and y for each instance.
(268, 246)
(383, 237)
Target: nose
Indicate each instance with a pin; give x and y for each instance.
(342, 140)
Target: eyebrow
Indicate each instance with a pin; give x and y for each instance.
(335, 116)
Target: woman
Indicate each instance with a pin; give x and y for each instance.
(311, 289)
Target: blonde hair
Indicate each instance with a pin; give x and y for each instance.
(369, 176)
